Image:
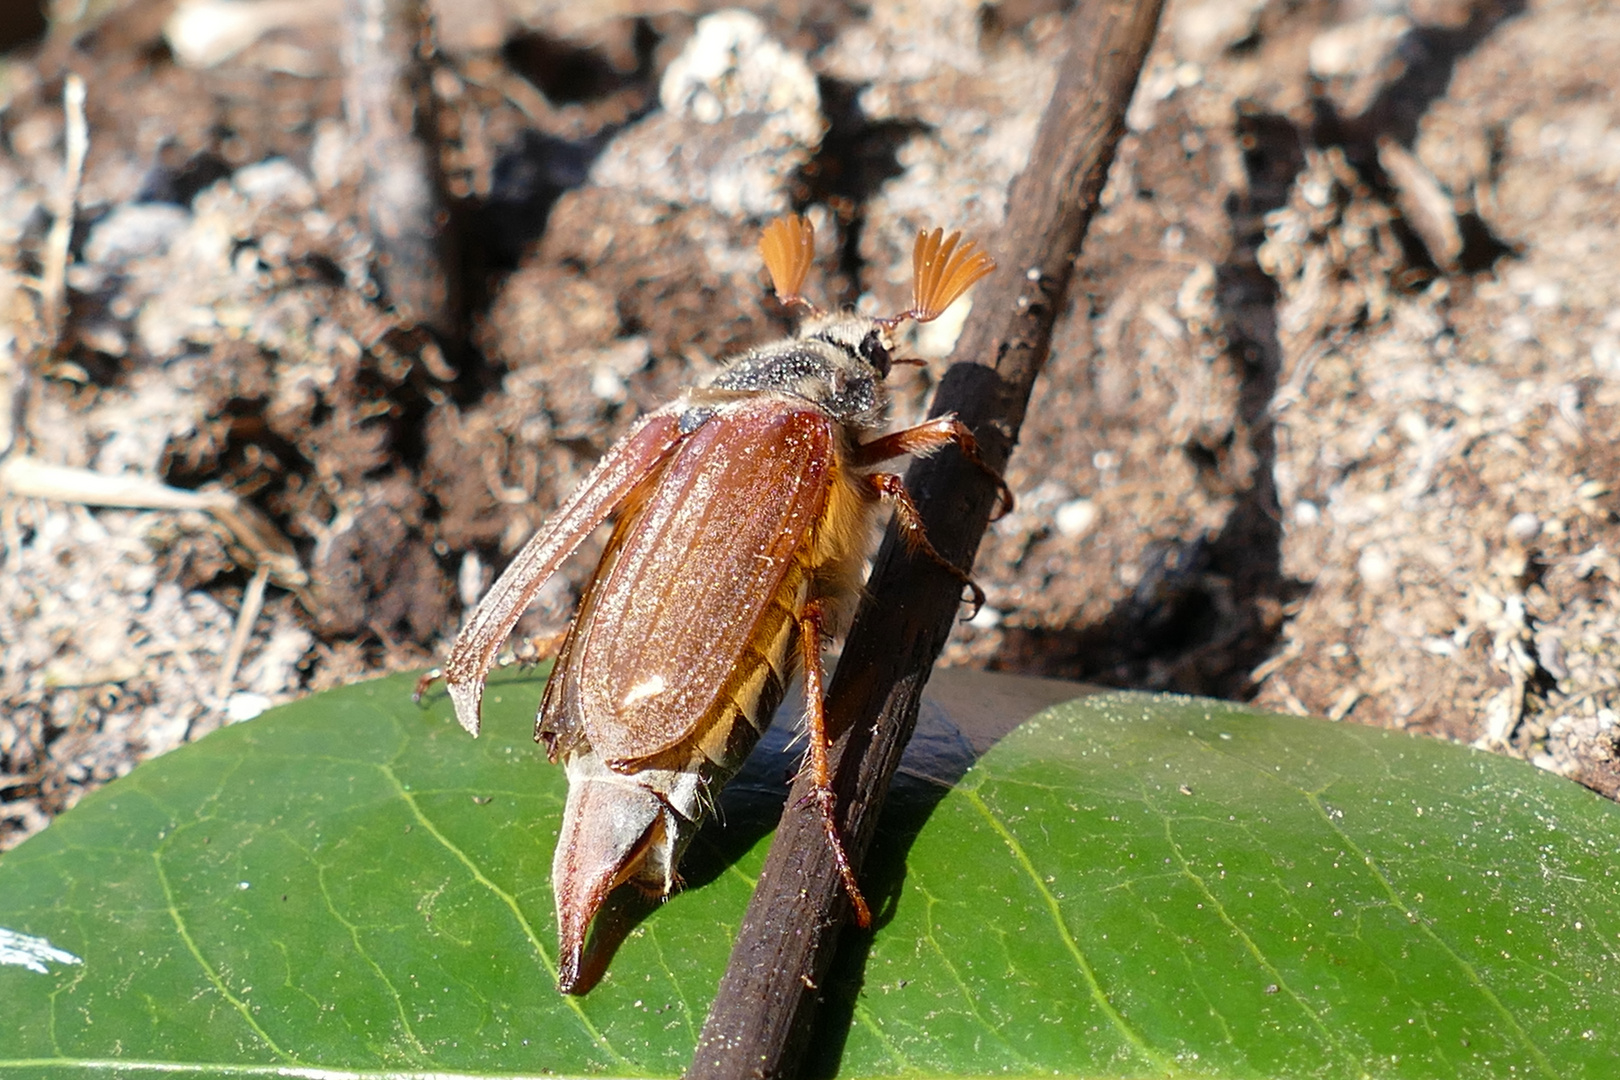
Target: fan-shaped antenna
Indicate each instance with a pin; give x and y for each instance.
(941, 272)
(788, 245)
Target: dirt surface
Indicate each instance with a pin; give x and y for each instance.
(1330, 423)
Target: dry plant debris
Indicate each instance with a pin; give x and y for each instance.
(1331, 423)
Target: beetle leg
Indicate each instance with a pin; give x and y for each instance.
(425, 683)
(892, 487)
(815, 717)
(531, 650)
(924, 439)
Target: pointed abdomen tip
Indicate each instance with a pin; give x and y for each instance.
(568, 965)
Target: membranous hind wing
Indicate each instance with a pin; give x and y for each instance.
(689, 602)
(633, 462)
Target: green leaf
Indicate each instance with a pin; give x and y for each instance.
(1143, 886)
(1125, 886)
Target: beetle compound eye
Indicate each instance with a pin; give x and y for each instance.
(874, 353)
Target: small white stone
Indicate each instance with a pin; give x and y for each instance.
(730, 69)
(705, 107)
(135, 230)
(331, 153)
(203, 33)
(1349, 49)
(1413, 426)
(274, 180)
(1547, 294)
(1374, 566)
(1306, 513)
(1517, 329)
(1524, 527)
(1076, 517)
(245, 706)
(608, 385)
(470, 579)
(1204, 29)
(1550, 653)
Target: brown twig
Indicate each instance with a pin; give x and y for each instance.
(388, 107)
(761, 1016)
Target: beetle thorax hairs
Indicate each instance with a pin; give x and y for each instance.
(835, 361)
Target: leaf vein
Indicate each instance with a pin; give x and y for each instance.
(511, 905)
(968, 996)
(1427, 931)
(680, 989)
(1098, 994)
(377, 969)
(864, 1015)
(1249, 944)
(208, 969)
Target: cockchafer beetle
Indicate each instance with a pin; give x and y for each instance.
(744, 510)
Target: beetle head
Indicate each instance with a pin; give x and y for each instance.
(872, 340)
(942, 269)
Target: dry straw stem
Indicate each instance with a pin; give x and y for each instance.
(53, 277)
(760, 1022)
(257, 542)
(252, 605)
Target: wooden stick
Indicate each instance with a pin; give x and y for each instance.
(761, 1017)
(388, 105)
